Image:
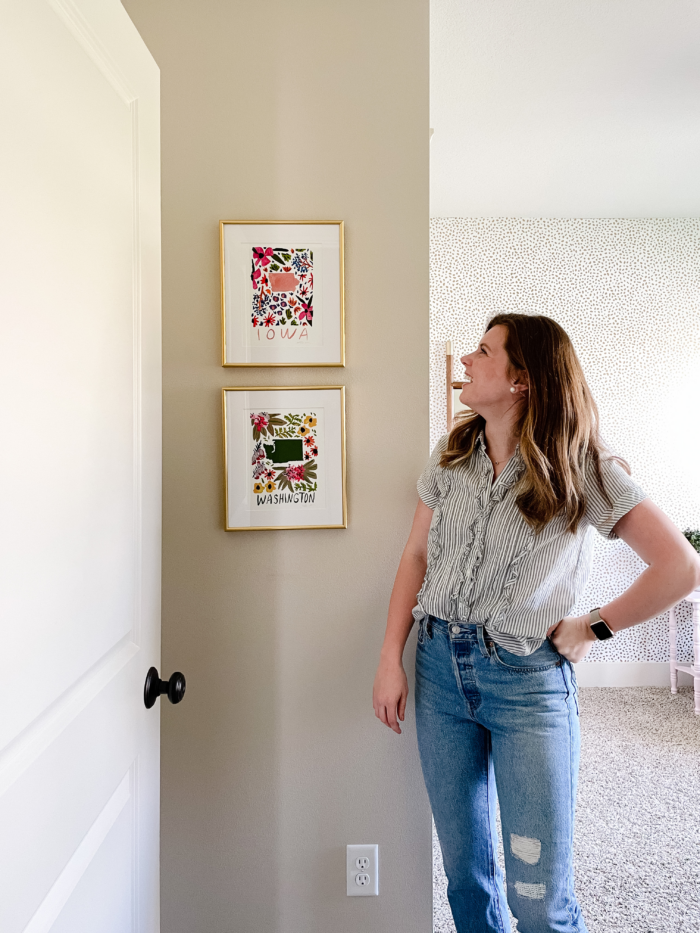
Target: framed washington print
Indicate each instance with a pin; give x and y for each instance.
(282, 298)
(284, 458)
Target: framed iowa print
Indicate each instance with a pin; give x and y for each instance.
(284, 458)
(282, 300)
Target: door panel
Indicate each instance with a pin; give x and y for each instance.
(79, 468)
(69, 368)
(113, 845)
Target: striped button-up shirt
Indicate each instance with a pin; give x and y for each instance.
(487, 566)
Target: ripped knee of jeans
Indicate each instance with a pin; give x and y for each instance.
(535, 892)
(526, 849)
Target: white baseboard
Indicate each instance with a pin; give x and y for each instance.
(628, 674)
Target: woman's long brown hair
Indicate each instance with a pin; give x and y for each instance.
(558, 425)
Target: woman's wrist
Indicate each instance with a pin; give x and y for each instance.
(583, 626)
(590, 634)
(603, 613)
(391, 654)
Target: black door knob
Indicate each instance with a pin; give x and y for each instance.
(154, 686)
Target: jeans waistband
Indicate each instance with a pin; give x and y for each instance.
(461, 630)
(445, 624)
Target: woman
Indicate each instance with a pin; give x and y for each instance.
(498, 554)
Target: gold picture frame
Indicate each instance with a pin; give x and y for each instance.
(286, 311)
(266, 478)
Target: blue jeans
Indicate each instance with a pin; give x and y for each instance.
(493, 722)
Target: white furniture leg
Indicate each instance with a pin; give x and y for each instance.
(672, 633)
(694, 667)
(696, 653)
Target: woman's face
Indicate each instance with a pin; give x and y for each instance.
(487, 383)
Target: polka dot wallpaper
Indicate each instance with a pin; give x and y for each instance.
(628, 294)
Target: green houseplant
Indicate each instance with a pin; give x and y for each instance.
(693, 535)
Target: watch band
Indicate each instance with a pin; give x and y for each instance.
(599, 626)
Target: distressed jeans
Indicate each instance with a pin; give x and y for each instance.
(491, 722)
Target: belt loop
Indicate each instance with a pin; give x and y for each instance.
(429, 627)
(482, 642)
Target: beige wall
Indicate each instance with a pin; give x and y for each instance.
(274, 761)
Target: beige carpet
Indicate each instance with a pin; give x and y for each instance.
(637, 842)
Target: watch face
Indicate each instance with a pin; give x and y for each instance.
(601, 630)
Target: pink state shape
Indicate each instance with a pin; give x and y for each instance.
(283, 281)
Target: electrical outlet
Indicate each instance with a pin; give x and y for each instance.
(362, 867)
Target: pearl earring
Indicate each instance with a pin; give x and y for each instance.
(512, 389)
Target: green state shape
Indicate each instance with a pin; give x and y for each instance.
(285, 450)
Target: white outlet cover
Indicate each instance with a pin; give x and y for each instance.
(370, 852)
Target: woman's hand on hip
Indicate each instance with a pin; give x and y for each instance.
(572, 637)
(390, 694)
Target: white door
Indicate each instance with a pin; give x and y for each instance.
(79, 469)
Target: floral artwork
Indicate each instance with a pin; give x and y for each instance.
(282, 294)
(283, 286)
(285, 457)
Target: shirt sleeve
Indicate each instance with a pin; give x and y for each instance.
(428, 488)
(622, 491)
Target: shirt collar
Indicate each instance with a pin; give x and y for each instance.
(516, 461)
(481, 442)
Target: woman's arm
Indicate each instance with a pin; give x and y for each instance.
(390, 684)
(673, 571)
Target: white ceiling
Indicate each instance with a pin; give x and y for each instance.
(565, 108)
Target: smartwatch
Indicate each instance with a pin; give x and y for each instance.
(599, 626)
